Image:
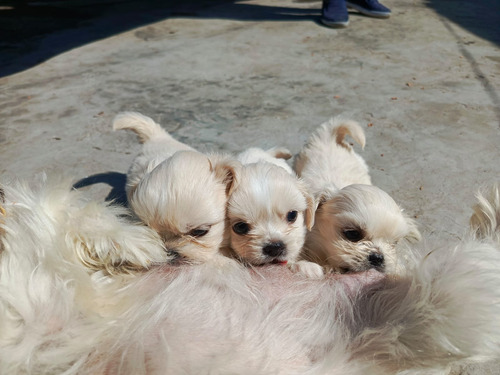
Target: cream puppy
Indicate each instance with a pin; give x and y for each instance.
(179, 192)
(269, 212)
(357, 225)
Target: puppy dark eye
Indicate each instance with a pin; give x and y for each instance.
(291, 216)
(353, 235)
(198, 232)
(241, 228)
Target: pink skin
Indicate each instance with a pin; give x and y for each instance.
(277, 281)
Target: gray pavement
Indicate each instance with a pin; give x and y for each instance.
(226, 75)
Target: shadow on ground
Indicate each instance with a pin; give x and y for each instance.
(116, 180)
(35, 31)
(480, 17)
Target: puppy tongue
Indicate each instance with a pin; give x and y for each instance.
(277, 261)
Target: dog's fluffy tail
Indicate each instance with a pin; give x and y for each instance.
(145, 127)
(280, 153)
(447, 310)
(337, 128)
(485, 221)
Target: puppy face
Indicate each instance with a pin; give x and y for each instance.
(184, 199)
(357, 228)
(268, 214)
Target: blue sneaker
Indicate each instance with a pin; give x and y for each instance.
(370, 8)
(334, 13)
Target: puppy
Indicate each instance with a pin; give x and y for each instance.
(179, 192)
(269, 212)
(442, 309)
(357, 225)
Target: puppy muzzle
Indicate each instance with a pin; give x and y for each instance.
(377, 261)
(274, 249)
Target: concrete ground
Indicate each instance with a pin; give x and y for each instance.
(226, 75)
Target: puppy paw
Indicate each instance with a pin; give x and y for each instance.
(309, 269)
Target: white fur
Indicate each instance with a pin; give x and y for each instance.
(275, 155)
(59, 317)
(51, 240)
(328, 160)
(269, 191)
(178, 191)
(485, 222)
(348, 203)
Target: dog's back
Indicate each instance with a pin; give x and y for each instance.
(327, 159)
(275, 155)
(158, 145)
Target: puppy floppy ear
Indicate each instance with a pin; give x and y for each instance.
(322, 197)
(227, 170)
(311, 205)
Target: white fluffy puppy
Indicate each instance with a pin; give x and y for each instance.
(177, 191)
(357, 225)
(443, 309)
(269, 212)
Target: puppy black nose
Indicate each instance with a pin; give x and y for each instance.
(376, 259)
(274, 249)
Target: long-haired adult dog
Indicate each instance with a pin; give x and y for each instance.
(357, 225)
(53, 241)
(57, 316)
(269, 212)
(179, 192)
